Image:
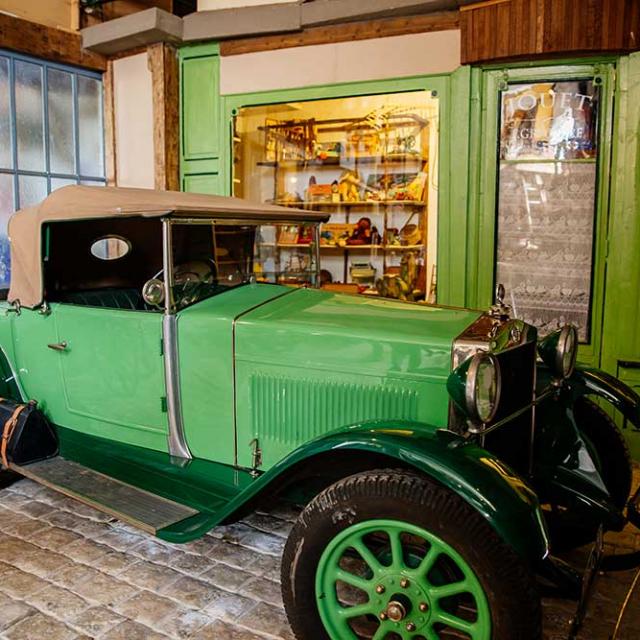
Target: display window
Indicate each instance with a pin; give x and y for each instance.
(370, 162)
(547, 188)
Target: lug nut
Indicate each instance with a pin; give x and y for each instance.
(411, 626)
(380, 588)
(383, 616)
(404, 583)
(423, 606)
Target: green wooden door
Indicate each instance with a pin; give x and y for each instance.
(621, 331)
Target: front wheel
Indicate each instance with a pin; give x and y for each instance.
(391, 555)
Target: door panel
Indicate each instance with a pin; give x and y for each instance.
(112, 373)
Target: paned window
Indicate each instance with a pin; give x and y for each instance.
(51, 135)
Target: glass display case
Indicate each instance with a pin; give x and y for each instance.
(370, 163)
(547, 201)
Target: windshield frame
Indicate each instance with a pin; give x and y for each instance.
(170, 307)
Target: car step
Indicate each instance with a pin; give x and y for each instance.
(135, 506)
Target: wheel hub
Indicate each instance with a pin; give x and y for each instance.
(396, 611)
(400, 599)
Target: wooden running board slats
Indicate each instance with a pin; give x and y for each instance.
(139, 508)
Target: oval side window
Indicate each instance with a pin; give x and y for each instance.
(110, 248)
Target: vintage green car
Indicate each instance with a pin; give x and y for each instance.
(441, 454)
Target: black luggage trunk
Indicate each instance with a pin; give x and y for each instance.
(27, 435)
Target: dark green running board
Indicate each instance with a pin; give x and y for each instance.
(130, 504)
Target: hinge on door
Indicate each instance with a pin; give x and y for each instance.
(256, 457)
(161, 346)
(163, 404)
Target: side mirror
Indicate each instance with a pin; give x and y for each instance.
(153, 292)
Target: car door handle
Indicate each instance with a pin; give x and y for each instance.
(58, 346)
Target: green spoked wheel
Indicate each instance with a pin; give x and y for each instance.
(387, 579)
(393, 555)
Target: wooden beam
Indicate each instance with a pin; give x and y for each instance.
(163, 64)
(46, 42)
(344, 33)
(539, 28)
(111, 172)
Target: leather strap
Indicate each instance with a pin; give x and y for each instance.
(7, 432)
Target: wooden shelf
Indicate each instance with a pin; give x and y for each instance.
(346, 161)
(359, 203)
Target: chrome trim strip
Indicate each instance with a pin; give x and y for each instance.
(176, 439)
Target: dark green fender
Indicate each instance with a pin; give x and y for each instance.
(563, 471)
(502, 497)
(590, 381)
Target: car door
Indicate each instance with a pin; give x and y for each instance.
(112, 373)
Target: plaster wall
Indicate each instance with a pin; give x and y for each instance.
(133, 106)
(53, 13)
(211, 5)
(374, 59)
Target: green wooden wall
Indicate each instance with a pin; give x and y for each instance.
(469, 100)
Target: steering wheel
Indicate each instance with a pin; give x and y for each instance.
(188, 279)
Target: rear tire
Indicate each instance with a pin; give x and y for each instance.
(612, 457)
(499, 599)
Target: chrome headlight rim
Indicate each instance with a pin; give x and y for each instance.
(567, 339)
(471, 387)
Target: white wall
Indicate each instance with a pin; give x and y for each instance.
(211, 5)
(375, 59)
(133, 103)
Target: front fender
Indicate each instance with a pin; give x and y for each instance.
(588, 380)
(477, 476)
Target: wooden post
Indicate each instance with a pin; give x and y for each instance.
(109, 126)
(163, 64)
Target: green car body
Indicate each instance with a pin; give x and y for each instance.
(220, 400)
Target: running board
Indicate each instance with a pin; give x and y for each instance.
(135, 506)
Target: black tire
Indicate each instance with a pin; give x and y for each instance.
(508, 584)
(612, 457)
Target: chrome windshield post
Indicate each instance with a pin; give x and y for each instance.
(176, 439)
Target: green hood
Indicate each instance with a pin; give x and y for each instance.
(358, 334)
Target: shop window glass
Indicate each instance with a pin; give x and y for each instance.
(29, 116)
(547, 201)
(6, 159)
(60, 111)
(370, 162)
(51, 122)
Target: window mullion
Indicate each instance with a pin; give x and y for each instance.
(45, 124)
(76, 126)
(14, 132)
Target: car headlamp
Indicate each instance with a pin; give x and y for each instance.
(475, 387)
(559, 350)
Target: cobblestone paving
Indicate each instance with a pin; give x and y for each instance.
(68, 571)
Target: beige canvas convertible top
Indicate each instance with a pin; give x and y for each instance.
(83, 203)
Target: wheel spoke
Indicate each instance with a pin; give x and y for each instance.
(355, 611)
(380, 634)
(367, 555)
(397, 554)
(454, 622)
(428, 561)
(430, 633)
(447, 590)
(353, 580)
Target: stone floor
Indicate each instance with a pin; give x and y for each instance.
(68, 571)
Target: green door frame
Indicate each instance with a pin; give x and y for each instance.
(486, 86)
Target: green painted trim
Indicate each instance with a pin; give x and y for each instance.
(198, 50)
